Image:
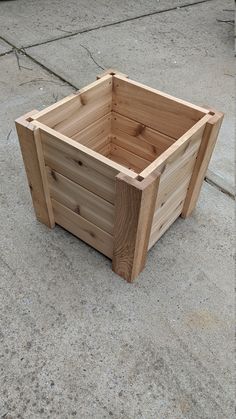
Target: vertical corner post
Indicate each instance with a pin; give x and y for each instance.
(206, 148)
(134, 208)
(32, 153)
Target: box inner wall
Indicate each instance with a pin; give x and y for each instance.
(126, 123)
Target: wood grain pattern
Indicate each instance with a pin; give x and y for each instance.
(124, 161)
(46, 115)
(138, 138)
(133, 145)
(128, 159)
(173, 201)
(134, 208)
(104, 149)
(83, 229)
(31, 149)
(119, 159)
(154, 109)
(81, 110)
(166, 214)
(205, 151)
(100, 161)
(173, 187)
(177, 171)
(80, 164)
(169, 184)
(96, 135)
(80, 168)
(81, 201)
(180, 147)
(170, 218)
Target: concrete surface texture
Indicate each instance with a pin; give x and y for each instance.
(75, 339)
(188, 57)
(31, 21)
(4, 47)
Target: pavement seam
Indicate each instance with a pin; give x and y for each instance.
(107, 25)
(72, 34)
(220, 188)
(6, 53)
(49, 70)
(22, 51)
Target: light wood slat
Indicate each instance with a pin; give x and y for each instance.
(149, 138)
(134, 209)
(31, 149)
(135, 146)
(83, 229)
(180, 159)
(100, 163)
(132, 136)
(170, 209)
(118, 159)
(80, 168)
(53, 112)
(96, 134)
(81, 201)
(105, 149)
(89, 104)
(129, 159)
(200, 109)
(162, 212)
(159, 232)
(178, 172)
(164, 216)
(48, 115)
(154, 109)
(103, 146)
(180, 147)
(170, 184)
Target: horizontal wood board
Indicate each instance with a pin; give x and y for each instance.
(83, 229)
(179, 148)
(80, 110)
(138, 138)
(96, 134)
(173, 186)
(147, 106)
(81, 201)
(79, 167)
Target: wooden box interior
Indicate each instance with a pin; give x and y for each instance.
(125, 122)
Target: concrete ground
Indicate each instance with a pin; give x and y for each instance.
(75, 339)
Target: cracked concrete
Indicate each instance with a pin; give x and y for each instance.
(30, 21)
(75, 339)
(4, 47)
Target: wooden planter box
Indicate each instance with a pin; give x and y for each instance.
(116, 163)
